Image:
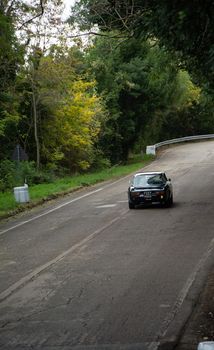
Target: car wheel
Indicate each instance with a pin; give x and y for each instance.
(131, 205)
(169, 202)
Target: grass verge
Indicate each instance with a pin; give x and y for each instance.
(44, 192)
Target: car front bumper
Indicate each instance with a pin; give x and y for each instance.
(141, 199)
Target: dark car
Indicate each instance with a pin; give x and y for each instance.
(150, 188)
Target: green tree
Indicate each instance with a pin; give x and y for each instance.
(10, 60)
(185, 27)
(141, 85)
(62, 105)
(15, 16)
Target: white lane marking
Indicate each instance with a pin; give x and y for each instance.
(24, 280)
(51, 210)
(106, 206)
(64, 204)
(153, 346)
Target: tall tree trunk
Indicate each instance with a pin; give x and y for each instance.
(35, 119)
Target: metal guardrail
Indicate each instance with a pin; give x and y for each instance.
(152, 149)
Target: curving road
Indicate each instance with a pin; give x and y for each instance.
(85, 272)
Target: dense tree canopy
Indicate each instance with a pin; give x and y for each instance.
(186, 27)
(140, 83)
(74, 106)
(10, 60)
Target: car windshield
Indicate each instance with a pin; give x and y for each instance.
(149, 180)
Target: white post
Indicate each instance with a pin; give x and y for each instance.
(151, 150)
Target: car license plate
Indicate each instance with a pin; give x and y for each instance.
(148, 194)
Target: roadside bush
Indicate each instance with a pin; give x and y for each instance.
(40, 177)
(14, 174)
(99, 162)
(7, 175)
(31, 175)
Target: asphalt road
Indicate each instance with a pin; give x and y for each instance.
(85, 272)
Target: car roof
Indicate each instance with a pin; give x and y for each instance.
(150, 173)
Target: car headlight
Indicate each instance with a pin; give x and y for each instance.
(160, 193)
(135, 194)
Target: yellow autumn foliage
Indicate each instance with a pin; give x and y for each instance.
(75, 125)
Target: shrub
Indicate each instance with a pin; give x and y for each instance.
(100, 161)
(14, 174)
(7, 175)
